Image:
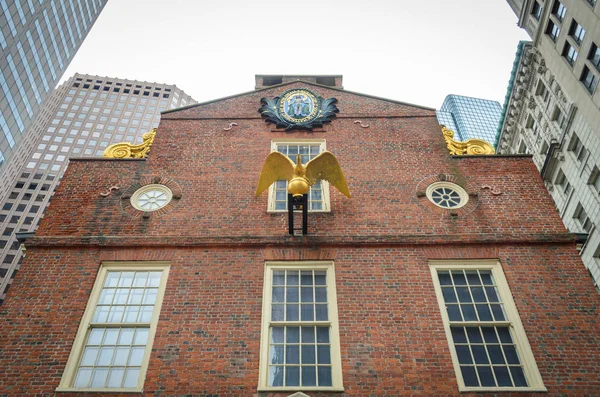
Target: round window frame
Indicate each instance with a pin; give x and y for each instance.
(464, 196)
(144, 189)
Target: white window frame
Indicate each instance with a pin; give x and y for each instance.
(68, 378)
(325, 184)
(517, 331)
(334, 335)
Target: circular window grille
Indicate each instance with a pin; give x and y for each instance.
(447, 195)
(151, 197)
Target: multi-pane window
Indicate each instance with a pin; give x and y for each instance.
(318, 196)
(594, 180)
(488, 344)
(553, 30)
(594, 56)
(589, 79)
(570, 53)
(561, 180)
(584, 221)
(577, 32)
(113, 343)
(559, 10)
(577, 147)
(300, 340)
(536, 10)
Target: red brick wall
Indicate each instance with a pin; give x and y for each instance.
(217, 237)
(391, 332)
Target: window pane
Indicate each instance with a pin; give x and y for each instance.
(324, 376)
(292, 376)
(292, 335)
(275, 376)
(309, 376)
(115, 378)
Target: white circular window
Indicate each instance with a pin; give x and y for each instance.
(151, 197)
(447, 195)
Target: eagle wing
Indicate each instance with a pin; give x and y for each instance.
(277, 167)
(325, 166)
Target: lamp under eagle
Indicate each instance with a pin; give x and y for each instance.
(300, 178)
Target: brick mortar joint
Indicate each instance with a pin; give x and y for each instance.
(295, 241)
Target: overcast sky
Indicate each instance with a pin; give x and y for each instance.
(411, 51)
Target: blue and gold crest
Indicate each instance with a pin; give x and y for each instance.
(298, 108)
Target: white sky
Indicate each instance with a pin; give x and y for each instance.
(414, 51)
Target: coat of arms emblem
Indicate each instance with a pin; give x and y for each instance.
(298, 108)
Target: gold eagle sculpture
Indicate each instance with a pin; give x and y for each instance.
(301, 177)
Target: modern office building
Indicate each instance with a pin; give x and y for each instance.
(552, 110)
(84, 115)
(470, 118)
(38, 40)
(431, 279)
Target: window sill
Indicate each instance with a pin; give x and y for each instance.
(297, 211)
(92, 390)
(299, 388)
(502, 389)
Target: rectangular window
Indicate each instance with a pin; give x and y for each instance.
(577, 32)
(553, 30)
(523, 149)
(594, 180)
(581, 216)
(300, 347)
(318, 196)
(594, 56)
(589, 79)
(559, 10)
(558, 117)
(561, 180)
(488, 345)
(570, 53)
(575, 145)
(114, 340)
(536, 10)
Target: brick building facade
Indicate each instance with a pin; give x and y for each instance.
(403, 297)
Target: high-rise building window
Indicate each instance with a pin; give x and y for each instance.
(114, 340)
(594, 180)
(570, 53)
(488, 344)
(559, 10)
(553, 30)
(577, 148)
(581, 216)
(300, 346)
(577, 32)
(594, 56)
(561, 180)
(589, 79)
(536, 10)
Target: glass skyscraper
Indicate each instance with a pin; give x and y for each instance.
(470, 118)
(82, 117)
(38, 39)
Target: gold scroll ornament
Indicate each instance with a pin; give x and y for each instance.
(124, 150)
(469, 147)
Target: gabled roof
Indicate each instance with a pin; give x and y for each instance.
(290, 83)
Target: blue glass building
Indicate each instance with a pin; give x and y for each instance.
(38, 39)
(470, 118)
